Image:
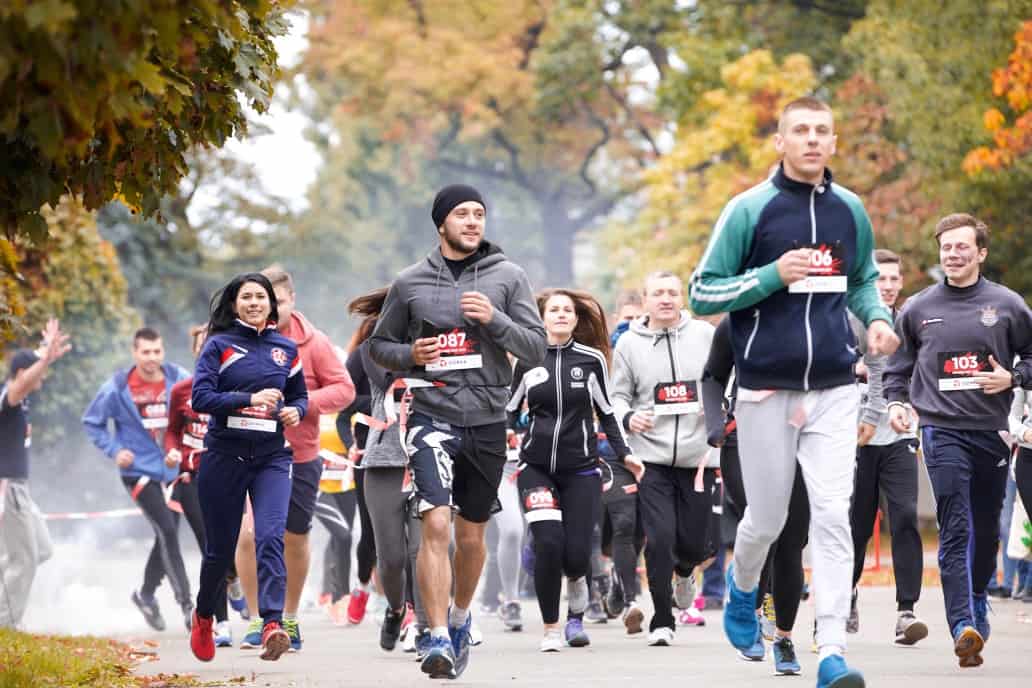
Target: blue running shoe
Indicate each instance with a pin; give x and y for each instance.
(439, 661)
(253, 637)
(460, 644)
(755, 652)
(785, 661)
(293, 629)
(982, 609)
(740, 622)
(834, 673)
(422, 643)
(235, 595)
(575, 634)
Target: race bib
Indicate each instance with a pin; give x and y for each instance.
(192, 441)
(154, 415)
(458, 350)
(958, 368)
(676, 398)
(258, 418)
(541, 504)
(825, 276)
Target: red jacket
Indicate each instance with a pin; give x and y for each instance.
(186, 428)
(330, 388)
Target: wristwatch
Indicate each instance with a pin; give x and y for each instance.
(1016, 379)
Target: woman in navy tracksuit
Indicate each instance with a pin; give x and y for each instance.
(249, 380)
(559, 477)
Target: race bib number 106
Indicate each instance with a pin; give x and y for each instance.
(826, 274)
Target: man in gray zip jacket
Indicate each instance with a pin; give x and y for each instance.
(657, 366)
(451, 319)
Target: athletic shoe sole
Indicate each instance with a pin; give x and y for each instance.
(438, 666)
(850, 679)
(746, 658)
(277, 644)
(786, 672)
(633, 621)
(659, 643)
(579, 641)
(968, 648)
(224, 643)
(250, 646)
(914, 633)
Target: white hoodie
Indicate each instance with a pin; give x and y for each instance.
(643, 359)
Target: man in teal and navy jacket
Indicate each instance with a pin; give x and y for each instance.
(787, 258)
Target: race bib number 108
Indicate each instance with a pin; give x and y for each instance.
(676, 398)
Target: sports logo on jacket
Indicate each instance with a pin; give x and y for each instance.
(989, 317)
(231, 355)
(576, 373)
(279, 356)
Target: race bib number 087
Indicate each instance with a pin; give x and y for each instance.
(457, 349)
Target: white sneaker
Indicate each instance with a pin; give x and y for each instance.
(633, 617)
(552, 642)
(661, 637)
(684, 591)
(223, 634)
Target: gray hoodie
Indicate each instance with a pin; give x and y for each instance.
(426, 294)
(642, 360)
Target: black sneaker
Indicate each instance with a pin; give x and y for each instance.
(150, 610)
(391, 629)
(614, 602)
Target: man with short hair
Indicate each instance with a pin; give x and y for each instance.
(451, 320)
(135, 402)
(657, 367)
(887, 464)
(957, 368)
(330, 390)
(24, 539)
(787, 258)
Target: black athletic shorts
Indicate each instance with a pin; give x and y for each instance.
(456, 466)
(304, 491)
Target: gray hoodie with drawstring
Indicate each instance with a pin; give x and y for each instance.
(645, 358)
(425, 294)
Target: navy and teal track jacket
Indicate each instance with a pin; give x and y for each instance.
(783, 340)
(233, 365)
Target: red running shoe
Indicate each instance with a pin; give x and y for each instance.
(202, 639)
(275, 641)
(357, 605)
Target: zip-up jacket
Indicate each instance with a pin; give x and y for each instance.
(115, 403)
(427, 295)
(233, 365)
(946, 335)
(643, 360)
(781, 339)
(563, 395)
(186, 427)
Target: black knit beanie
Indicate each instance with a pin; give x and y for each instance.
(451, 196)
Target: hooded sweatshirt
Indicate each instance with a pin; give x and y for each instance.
(424, 301)
(329, 385)
(653, 369)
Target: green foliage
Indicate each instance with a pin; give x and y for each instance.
(105, 98)
(77, 279)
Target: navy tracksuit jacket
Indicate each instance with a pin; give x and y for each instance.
(246, 453)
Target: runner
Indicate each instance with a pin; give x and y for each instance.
(249, 379)
(386, 482)
(886, 463)
(458, 312)
(329, 390)
(958, 337)
(184, 446)
(657, 366)
(24, 538)
(781, 581)
(136, 401)
(794, 360)
(559, 477)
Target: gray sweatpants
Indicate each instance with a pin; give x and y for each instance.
(396, 532)
(817, 428)
(24, 545)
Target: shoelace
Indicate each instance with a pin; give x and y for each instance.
(291, 627)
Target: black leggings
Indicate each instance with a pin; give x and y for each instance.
(336, 511)
(165, 555)
(1023, 477)
(366, 553)
(783, 571)
(186, 495)
(562, 510)
(622, 536)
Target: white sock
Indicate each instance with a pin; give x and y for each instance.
(457, 616)
(577, 594)
(829, 650)
(290, 617)
(362, 587)
(439, 632)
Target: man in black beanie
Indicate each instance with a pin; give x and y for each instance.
(451, 320)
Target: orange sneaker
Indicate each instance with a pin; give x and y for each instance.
(275, 641)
